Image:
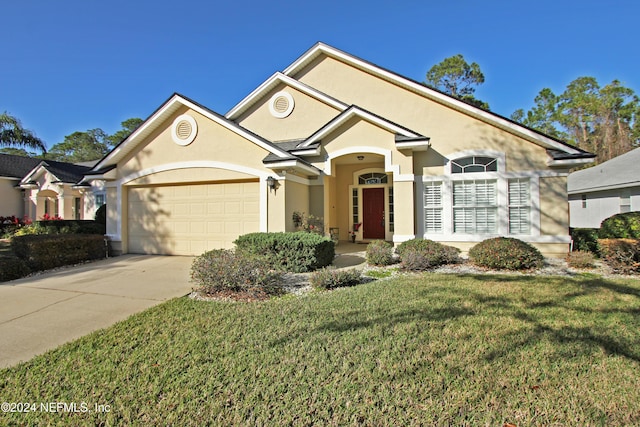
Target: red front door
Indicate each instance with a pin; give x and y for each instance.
(373, 213)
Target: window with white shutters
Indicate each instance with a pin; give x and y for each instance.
(475, 207)
(433, 207)
(519, 206)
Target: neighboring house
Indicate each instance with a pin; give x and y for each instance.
(604, 190)
(34, 188)
(336, 137)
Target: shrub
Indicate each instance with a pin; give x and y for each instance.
(330, 278)
(422, 254)
(581, 259)
(223, 270)
(622, 255)
(42, 252)
(506, 253)
(621, 226)
(13, 268)
(101, 215)
(62, 226)
(585, 239)
(294, 252)
(10, 224)
(380, 252)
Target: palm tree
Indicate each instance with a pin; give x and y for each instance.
(12, 134)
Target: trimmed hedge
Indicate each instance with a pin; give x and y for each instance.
(297, 252)
(506, 253)
(330, 278)
(622, 255)
(380, 252)
(74, 226)
(45, 251)
(422, 254)
(12, 268)
(221, 270)
(621, 226)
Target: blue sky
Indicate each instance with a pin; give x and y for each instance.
(73, 65)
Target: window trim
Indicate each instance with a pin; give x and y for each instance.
(502, 178)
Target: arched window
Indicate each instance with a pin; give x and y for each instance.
(474, 164)
(372, 178)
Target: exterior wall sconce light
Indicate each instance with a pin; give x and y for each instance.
(272, 183)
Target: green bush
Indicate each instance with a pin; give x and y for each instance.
(422, 254)
(223, 270)
(581, 259)
(585, 239)
(621, 226)
(330, 278)
(380, 252)
(62, 227)
(506, 253)
(622, 255)
(42, 252)
(101, 215)
(293, 252)
(13, 268)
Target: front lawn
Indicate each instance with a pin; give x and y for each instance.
(431, 349)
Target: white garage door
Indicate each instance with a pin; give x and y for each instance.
(191, 219)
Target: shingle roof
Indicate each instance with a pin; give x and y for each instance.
(619, 172)
(19, 167)
(12, 166)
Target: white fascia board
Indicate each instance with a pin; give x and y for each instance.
(307, 152)
(170, 107)
(354, 111)
(319, 48)
(413, 145)
(294, 164)
(604, 188)
(270, 84)
(130, 142)
(569, 163)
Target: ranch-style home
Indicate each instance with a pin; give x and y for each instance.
(371, 152)
(35, 188)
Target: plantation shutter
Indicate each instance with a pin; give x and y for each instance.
(475, 207)
(433, 207)
(519, 209)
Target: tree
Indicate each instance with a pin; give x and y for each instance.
(12, 134)
(602, 120)
(455, 77)
(81, 147)
(128, 127)
(93, 144)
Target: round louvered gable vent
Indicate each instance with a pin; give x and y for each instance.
(281, 104)
(184, 130)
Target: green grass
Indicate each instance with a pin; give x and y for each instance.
(411, 350)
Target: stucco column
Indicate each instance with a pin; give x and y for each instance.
(404, 219)
(65, 204)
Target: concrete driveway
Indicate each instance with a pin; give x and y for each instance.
(42, 312)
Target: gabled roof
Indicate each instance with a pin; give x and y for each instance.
(538, 138)
(619, 172)
(173, 104)
(355, 111)
(12, 166)
(67, 173)
(272, 83)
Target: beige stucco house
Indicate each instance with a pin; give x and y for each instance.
(35, 188)
(336, 137)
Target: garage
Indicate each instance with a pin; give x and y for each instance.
(192, 218)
